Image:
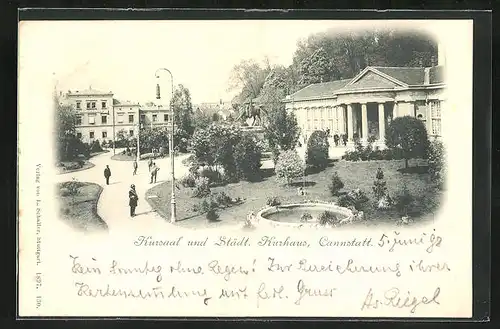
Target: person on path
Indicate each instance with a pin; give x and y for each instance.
(344, 139)
(150, 164)
(336, 139)
(107, 174)
(154, 173)
(133, 199)
(135, 167)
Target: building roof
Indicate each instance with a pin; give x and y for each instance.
(124, 103)
(408, 75)
(89, 92)
(320, 89)
(373, 77)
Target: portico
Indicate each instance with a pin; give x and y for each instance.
(363, 107)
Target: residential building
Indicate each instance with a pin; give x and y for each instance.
(100, 116)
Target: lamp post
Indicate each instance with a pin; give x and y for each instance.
(171, 141)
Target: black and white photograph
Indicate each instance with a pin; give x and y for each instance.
(247, 167)
(323, 126)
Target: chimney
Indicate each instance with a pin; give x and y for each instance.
(426, 75)
(441, 54)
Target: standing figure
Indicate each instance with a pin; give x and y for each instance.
(133, 199)
(107, 174)
(154, 173)
(135, 167)
(344, 139)
(336, 139)
(150, 163)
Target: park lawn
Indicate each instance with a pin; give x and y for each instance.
(354, 175)
(86, 164)
(80, 211)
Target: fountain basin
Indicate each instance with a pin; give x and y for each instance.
(290, 214)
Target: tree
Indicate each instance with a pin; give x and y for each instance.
(335, 184)
(153, 138)
(183, 114)
(65, 123)
(379, 185)
(288, 167)
(214, 146)
(317, 150)
(281, 130)
(247, 157)
(315, 68)
(248, 77)
(408, 135)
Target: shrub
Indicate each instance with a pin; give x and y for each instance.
(212, 175)
(317, 150)
(407, 134)
(306, 217)
(189, 180)
(379, 185)
(212, 215)
(247, 157)
(336, 184)
(288, 167)
(327, 218)
(436, 162)
(201, 188)
(355, 198)
(404, 200)
(95, 147)
(222, 199)
(273, 201)
(72, 187)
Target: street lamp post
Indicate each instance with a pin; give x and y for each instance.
(171, 141)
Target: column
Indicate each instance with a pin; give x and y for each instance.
(349, 122)
(381, 121)
(395, 110)
(364, 121)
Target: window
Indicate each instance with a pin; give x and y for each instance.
(78, 120)
(165, 117)
(143, 118)
(79, 135)
(91, 134)
(103, 104)
(120, 117)
(104, 134)
(104, 119)
(131, 132)
(93, 105)
(78, 105)
(436, 117)
(91, 119)
(88, 105)
(131, 118)
(155, 117)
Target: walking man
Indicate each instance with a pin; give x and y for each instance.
(133, 199)
(135, 167)
(107, 174)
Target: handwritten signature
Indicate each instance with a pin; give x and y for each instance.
(395, 298)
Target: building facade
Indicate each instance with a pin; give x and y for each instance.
(366, 104)
(102, 117)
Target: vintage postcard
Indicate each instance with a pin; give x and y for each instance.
(245, 168)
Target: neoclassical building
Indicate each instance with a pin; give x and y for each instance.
(366, 104)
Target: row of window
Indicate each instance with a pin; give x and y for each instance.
(91, 105)
(104, 118)
(104, 134)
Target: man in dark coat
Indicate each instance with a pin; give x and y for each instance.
(154, 173)
(107, 174)
(336, 139)
(344, 139)
(135, 167)
(133, 199)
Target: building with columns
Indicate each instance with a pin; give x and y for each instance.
(366, 104)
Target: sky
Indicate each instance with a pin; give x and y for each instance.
(123, 56)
